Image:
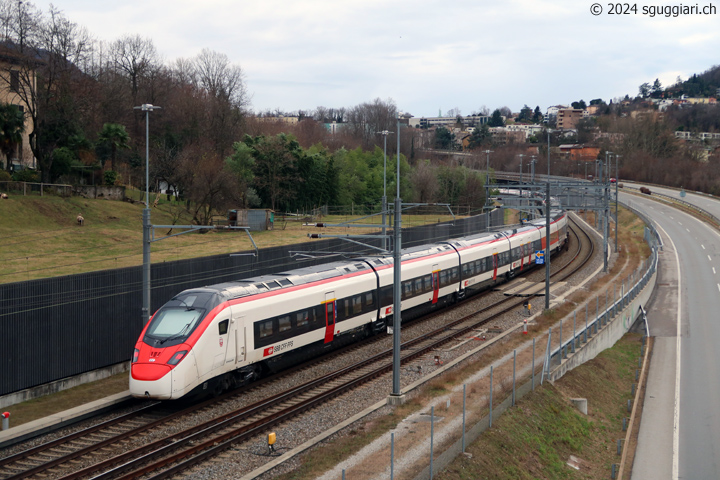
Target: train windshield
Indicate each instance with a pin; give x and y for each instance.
(177, 319)
(174, 323)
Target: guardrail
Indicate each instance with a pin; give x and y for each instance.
(640, 278)
(700, 211)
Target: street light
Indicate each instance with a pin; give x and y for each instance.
(396, 397)
(384, 133)
(147, 108)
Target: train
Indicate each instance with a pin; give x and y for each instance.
(210, 339)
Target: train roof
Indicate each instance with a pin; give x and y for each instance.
(304, 275)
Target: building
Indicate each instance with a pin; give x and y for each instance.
(468, 121)
(568, 118)
(14, 78)
(503, 136)
(580, 153)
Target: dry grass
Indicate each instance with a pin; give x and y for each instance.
(42, 238)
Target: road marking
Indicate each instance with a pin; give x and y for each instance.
(680, 223)
(709, 258)
(678, 345)
(688, 230)
(714, 273)
(718, 286)
(671, 217)
(702, 246)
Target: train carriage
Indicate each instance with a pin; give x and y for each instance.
(212, 338)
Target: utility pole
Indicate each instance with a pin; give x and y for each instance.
(395, 397)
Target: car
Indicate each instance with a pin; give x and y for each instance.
(613, 180)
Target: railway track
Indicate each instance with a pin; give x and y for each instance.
(181, 451)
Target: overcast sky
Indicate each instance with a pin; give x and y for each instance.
(426, 55)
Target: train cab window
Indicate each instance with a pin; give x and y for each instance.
(284, 324)
(302, 318)
(357, 305)
(265, 328)
(223, 327)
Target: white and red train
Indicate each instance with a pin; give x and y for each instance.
(212, 338)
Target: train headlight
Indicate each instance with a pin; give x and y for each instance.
(136, 355)
(177, 357)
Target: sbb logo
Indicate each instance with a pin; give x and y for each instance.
(268, 351)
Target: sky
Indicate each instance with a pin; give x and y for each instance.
(427, 56)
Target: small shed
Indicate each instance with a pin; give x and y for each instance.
(256, 219)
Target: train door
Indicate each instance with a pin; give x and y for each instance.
(236, 341)
(329, 316)
(495, 264)
(223, 339)
(435, 283)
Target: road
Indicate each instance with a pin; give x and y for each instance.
(680, 427)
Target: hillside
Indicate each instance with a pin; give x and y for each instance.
(41, 237)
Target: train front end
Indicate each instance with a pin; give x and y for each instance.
(163, 364)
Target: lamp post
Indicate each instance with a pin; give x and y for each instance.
(395, 396)
(384, 133)
(487, 188)
(147, 108)
(617, 200)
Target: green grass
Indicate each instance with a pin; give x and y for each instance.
(41, 237)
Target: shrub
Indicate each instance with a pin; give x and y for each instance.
(110, 177)
(5, 176)
(25, 176)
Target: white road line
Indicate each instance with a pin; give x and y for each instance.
(702, 246)
(680, 223)
(678, 345)
(714, 271)
(709, 258)
(671, 218)
(688, 230)
(718, 286)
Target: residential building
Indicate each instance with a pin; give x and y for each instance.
(580, 153)
(12, 73)
(568, 118)
(468, 121)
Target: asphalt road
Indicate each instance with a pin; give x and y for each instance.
(680, 428)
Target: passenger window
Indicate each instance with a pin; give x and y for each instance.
(302, 319)
(223, 327)
(369, 299)
(443, 278)
(357, 305)
(418, 285)
(427, 280)
(455, 274)
(284, 324)
(266, 328)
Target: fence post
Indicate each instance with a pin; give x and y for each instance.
(432, 434)
(491, 389)
(514, 362)
(463, 435)
(392, 454)
(546, 362)
(533, 366)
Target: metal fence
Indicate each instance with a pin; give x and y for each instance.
(29, 188)
(64, 326)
